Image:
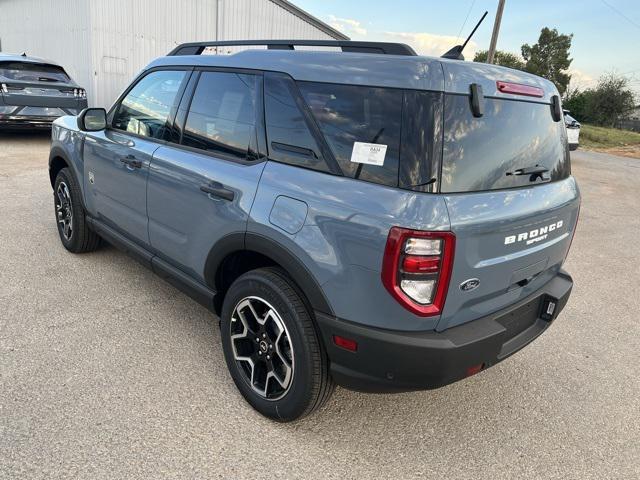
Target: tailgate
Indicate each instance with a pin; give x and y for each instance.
(40, 95)
(511, 241)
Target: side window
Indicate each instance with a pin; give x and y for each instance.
(222, 115)
(290, 140)
(347, 114)
(146, 109)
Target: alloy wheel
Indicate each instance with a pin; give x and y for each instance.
(64, 210)
(262, 347)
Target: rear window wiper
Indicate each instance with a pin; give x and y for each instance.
(47, 79)
(535, 172)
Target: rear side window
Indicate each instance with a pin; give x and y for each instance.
(33, 72)
(484, 153)
(290, 139)
(146, 109)
(222, 115)
(348, 114)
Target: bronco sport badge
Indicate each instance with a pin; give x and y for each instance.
(535, 235)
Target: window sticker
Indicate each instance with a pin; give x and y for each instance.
(369, 153)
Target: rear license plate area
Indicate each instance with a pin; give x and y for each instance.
(520, 319)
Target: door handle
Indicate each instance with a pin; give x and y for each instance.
(130, 161)
(218, 190)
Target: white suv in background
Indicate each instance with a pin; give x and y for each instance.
(573, 130)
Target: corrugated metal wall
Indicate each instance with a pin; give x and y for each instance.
(127, 34)
(53, 29)
(104, 43)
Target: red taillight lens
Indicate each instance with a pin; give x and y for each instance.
(418, 264)
(519, 89)
(416, 268)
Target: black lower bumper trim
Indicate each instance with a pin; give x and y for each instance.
(393, 361)
(26, 122)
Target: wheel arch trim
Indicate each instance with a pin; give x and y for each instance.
(279, 254)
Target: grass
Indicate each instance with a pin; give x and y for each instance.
(597, 138)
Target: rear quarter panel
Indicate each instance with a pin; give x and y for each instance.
(343, 237)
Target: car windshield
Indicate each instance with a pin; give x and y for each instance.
(33, 72)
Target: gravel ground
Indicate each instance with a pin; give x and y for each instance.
(108, 372)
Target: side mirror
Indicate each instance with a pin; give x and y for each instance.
(92, 119)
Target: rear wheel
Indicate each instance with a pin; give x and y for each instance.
(271, 346)
(74, 232)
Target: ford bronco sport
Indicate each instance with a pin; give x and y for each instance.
(364, 217)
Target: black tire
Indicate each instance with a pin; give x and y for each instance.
(310, 384)
(78, 238)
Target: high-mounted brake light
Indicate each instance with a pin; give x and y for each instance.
(416, 268)
(519, 89)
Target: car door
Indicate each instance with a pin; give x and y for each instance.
(202, 189)
(117, 159)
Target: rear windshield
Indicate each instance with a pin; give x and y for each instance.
(486, 153)
(32, 72)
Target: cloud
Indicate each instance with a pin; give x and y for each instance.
(430, 43)
(347, 26)
(423, 43)
(581, 80)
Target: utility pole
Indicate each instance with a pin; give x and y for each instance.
(496, 30)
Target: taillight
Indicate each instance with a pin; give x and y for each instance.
(79, 93)
(416, 268)
(519, 89)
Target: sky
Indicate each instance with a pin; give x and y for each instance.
(606, 33)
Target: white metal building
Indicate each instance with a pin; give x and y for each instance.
(103, 44)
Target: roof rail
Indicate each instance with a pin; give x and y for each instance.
(196, 48)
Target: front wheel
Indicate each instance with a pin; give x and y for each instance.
(74, 232)
(271, 347)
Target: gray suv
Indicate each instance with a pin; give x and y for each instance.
(35, 92)
(364, 217)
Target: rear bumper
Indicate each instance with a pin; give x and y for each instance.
(392, 361)
(19, 119)
(22, 121)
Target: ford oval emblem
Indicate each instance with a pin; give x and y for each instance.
(470, 284)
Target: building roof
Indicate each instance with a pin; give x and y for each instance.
(307, 17)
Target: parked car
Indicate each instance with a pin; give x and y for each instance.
(353, 217)
(34, 92)
(573, 130)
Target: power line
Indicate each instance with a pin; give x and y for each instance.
(465, 21)
(632, 22)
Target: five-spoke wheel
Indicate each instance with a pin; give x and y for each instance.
(64, 209)
(272, 347)
(75, 234)
(262, 348)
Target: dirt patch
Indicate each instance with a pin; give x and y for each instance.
(631, 151)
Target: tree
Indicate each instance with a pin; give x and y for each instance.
(605, 104)
(549, 58)
(506, 59)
